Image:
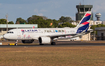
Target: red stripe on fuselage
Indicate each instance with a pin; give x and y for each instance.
(22, 30)
(85, 23)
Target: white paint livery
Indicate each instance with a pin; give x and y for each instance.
(46, 35)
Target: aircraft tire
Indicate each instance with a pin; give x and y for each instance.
(53, 43)
(41, 44)
(27, 41)
(15, 44)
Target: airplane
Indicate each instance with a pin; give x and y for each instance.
(47, 35)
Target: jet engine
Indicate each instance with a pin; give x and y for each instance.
(44, 40)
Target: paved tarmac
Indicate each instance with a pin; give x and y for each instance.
(59, 44)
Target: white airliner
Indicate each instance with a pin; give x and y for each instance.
(47, 35)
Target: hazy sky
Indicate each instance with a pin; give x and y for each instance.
(52, 9)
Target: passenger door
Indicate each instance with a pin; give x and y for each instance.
(19, 34)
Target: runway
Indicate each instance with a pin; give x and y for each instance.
(58, 44)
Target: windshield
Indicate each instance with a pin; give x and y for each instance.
(9, 32)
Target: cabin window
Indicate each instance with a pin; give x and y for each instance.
(62, 30)
(59, 30)
(45, 31)
(49, 30)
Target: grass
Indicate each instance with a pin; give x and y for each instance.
(53, 56)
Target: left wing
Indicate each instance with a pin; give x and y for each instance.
(74, 35)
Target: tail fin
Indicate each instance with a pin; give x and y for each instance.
(84, 23)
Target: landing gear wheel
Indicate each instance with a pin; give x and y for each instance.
(15, 44)
(41, 44)
(53, 43)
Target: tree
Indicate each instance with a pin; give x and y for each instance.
(95, 26)
(66, 24)
(55, 23)
(99, 25)
(20, 21)
(48, 23)
(34, 17)
(3, 21)
(65, 19)
(43, 22)
(11, 22)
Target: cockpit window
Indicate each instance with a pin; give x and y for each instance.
(9, 32)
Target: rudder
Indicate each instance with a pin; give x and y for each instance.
(83, 26)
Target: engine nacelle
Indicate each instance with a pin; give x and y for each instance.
(44, 40)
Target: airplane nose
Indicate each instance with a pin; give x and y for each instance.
(4, 36)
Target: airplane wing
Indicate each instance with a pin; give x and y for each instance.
(73, 35)
(56, 36)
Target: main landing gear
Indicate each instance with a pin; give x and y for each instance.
(53, 43)
(16, 43)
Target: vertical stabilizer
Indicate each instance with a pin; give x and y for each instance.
(83, 25)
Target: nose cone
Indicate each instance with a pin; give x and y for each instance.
(8, 36)
(5, 36)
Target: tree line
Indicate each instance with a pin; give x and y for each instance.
(95, 26)
(42, 21)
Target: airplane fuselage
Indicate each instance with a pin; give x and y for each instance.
(26, 34)
(47, 35)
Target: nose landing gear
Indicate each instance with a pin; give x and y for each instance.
(16, 43)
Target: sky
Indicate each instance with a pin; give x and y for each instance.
(52, 9)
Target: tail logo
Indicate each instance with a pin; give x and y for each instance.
(84, 24)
